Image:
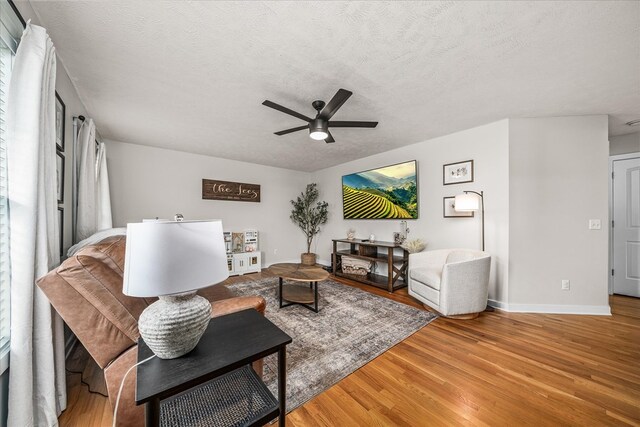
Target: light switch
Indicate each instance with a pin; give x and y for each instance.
(594, 224)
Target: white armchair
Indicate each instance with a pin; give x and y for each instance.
(455, 282)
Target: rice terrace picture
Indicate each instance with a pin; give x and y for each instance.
(390, 192)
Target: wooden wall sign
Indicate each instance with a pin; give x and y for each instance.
(225, 190)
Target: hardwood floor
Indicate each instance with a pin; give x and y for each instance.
(499, 369)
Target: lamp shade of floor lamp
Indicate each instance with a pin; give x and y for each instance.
(471, 201)
(172, 260)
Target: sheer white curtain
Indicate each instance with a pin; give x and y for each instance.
(103, 199)
(37, 391)
(86, 218)
(93, 200)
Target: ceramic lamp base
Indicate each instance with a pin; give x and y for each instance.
(173, 325)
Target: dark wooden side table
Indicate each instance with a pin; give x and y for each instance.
(221, 359)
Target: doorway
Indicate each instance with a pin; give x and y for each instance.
(625, 225)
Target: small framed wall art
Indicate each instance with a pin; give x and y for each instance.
(60, 113)
(60, 176)
(61, 227)
(449, 210)
(457, 173)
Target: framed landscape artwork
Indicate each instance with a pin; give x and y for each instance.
(449, 210)
(60, 112)
(389, 192)
(457, 173)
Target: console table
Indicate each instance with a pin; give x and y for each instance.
(233, 393)
(364, 249)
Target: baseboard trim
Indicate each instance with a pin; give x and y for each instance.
(293, 261)
(591, 310)
(297, 261)
(326, 263)
(497, 304)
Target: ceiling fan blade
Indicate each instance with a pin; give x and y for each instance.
(341, 124)
(284, 132)
(329, 138)
(336, 102)
(286, 110)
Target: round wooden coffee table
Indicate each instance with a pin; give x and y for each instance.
(295, 293)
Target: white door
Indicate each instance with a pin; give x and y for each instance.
(626, 227)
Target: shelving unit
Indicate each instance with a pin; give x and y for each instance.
(396, 264)
(243, 255)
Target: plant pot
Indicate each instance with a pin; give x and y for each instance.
(308, 259)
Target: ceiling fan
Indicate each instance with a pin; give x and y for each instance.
(319, 127)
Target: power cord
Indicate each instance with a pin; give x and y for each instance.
(82, 381)
(115, 411)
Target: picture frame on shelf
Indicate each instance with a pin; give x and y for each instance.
(61, 228)
(60, 176)
(60, 122)
(457, 173)
(449, 210)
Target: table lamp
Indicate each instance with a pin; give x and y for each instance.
(171, 260)
(471, 201)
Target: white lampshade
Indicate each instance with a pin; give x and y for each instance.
(467, 202)
(164, 258)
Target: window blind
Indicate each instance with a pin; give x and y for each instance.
(6, 61)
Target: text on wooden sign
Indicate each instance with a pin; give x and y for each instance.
(225, 190)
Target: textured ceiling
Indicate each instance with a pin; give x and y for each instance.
(191, 75)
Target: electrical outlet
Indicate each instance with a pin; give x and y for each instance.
(594, 224)
(566, 285)
(275, 252)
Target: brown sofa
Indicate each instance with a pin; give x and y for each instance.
(86, 290)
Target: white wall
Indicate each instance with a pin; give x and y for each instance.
(543, 179)
(558, 173)
(487, 145)
(624, 144)
(149, 182)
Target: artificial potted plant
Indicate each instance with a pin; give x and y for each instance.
(309, 215)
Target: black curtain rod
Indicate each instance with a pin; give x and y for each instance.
(15, 9)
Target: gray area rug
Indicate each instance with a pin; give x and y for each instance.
(352, 328)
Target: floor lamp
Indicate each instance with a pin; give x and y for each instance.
(468, 202)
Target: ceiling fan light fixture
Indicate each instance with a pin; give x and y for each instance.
(318, 135)
(318, 129)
